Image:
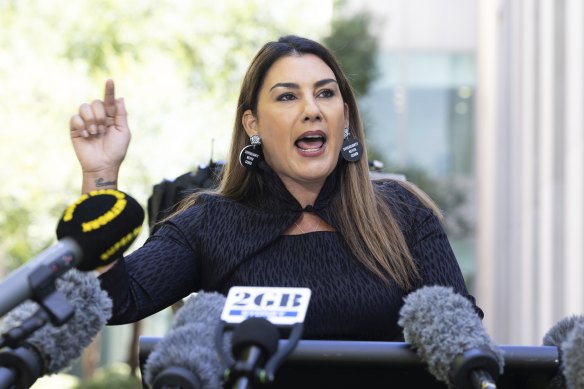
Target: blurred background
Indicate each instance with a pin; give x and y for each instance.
(479, 102)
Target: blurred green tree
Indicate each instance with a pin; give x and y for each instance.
(356, 47)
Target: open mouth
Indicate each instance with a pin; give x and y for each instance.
(310, 143)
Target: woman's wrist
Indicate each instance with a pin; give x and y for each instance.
(99, 180)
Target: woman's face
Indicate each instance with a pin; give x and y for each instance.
(300, 119)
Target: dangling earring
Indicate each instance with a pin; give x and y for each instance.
(352, 149)
(251, 155)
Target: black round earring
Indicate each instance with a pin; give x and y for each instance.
(251, 155)
(352, 149)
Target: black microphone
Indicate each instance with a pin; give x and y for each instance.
(51, 349)
(254, 342)
(94, 231)
(568, 336)
(187, 357)
(450, 338)
(259, 315)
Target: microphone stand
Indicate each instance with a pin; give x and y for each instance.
(268, 375)
(476, 368)
(242, 374)
(21, 365)
(483, 380)
(245, 369)
(24, 366)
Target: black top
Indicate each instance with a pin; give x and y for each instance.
(222, 243)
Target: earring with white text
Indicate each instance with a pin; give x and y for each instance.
(352, 149)
(251, 155)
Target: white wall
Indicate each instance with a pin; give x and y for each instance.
(423, 25)
(530, 165)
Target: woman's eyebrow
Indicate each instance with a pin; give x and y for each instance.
(293, 85)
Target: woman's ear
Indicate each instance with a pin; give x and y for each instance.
(250, 123)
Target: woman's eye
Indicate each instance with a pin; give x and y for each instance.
(326, 93)
(286, 97)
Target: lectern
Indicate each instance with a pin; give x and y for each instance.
(358, 364)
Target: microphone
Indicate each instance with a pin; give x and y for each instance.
(254, 342)
(258, 315)
(93, 231)
(568, 336)
(450, 338)
(187, 357)
(55, 348)
(195, 352)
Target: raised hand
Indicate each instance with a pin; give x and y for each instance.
(100, 137)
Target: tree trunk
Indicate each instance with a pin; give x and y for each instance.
(133, 357)
(90, 358)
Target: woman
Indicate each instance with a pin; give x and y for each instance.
(295, 207)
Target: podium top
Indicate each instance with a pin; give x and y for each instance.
(360, 364)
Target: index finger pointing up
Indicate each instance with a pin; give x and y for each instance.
(109, 99)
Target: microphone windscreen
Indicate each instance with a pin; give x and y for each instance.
(104, 223)
(191, 342)
(566, 334)
(573, 356)
(203, 304)
(441, 325)
(559, 332)
(60, 346)
(191, 347)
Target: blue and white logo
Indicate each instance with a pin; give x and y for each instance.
(281, 306)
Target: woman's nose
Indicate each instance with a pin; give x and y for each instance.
(311, 110)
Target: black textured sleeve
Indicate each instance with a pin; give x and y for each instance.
(158, 274)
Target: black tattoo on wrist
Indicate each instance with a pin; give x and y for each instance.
(100, 182)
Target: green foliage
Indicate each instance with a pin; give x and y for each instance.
(21, 240)
(446, 192)
(178, 64)
(356, 48)
(13, 222)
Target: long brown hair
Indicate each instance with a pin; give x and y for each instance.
(362, 216)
